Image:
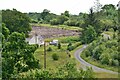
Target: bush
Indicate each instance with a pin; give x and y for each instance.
(34, 21)
(59, 46)
(49, 49)
(70, 44)
(70, 23)
(54, 22)
(72, 47)
(55, 56)
(115, 63)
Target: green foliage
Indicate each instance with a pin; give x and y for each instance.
(54, 22)
(66, 13)
(44, 13)
(88, 35)
(104, 52)
(59, 45)
(70, 23)
(62, 19)
(5, 31)
(17, 55)
(66, 71)
(34, 21)
(71, 47)
(70, 44)
(55, 56)
(16, 21)
(49, 49)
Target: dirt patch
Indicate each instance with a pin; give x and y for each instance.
(47, 32)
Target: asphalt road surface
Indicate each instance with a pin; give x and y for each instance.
(86, 64)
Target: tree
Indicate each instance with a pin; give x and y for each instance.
(16, 21)
(5, 31)
(54, 22)
(108, 9)
(17, 55)
(88, 35)
(66, 13)
(93, 20)
(44, 13)
(62, 18)
(105, 57)
(97, 51)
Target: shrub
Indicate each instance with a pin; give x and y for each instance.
(54, 22)
(49, 49)
(70, 44)
(70, 48)
(115, 63)
(59, 46)
(55, 56)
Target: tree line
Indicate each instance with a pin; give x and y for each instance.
(99, 19)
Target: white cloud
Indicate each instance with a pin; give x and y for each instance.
(55, 6)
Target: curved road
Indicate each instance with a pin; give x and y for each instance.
(86, 64)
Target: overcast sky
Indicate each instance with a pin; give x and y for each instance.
(55, 6)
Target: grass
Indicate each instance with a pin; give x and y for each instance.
(105, 75)
(65, 27)
(51, 64)
(64, 39)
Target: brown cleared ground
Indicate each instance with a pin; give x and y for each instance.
(48, 32)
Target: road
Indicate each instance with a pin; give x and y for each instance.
(86, 64)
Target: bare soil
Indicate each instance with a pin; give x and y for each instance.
(47, 32)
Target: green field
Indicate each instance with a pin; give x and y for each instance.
(51, 64)
(66, 39)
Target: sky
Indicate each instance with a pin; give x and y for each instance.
(55, 6)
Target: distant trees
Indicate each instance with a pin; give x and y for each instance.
(66, 13)
(16, 21)
(108, 9)
(54, 22)
(44, 14)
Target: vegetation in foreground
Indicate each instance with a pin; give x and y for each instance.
(66, 71)
(103, 52)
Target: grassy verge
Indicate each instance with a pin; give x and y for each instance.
(101, 74)
(66, 39)
(105, 75)
(97, 63)
(59, 26)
